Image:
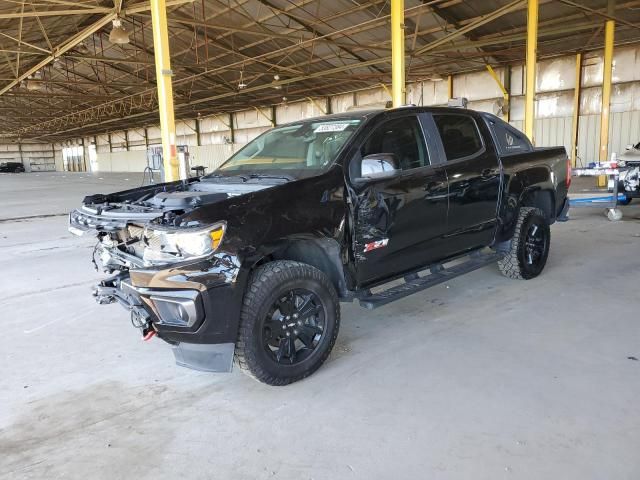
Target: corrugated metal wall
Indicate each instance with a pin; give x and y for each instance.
(624, 129)
(211, 156)
(122, 161)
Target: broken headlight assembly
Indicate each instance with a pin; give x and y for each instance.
(175, 245)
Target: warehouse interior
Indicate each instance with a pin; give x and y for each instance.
(479, 377)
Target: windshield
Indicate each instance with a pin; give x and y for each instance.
(301, 149)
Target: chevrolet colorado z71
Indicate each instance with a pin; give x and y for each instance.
(253, 259)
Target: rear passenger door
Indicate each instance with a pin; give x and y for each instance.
(473, 171)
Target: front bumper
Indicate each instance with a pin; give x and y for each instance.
(194, 308)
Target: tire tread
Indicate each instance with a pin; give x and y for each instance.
(510, 264)
(262, 282)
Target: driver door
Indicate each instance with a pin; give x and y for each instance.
(399, 222)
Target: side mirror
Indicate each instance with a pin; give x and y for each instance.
(628, 147)
(377, 166)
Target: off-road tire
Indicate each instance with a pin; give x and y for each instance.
(266, 283)
(514, 264)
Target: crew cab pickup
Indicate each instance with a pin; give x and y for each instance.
(253, 260)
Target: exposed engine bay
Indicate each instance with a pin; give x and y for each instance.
(149, 229)
(629, 166)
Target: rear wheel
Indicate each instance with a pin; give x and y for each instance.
(289, 322)
(529, 248)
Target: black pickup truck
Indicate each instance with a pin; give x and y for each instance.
(253, 259)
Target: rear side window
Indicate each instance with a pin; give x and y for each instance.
(509, 139)
(459, 134)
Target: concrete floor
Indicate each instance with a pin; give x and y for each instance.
(482, 378)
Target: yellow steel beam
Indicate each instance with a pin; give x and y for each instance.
(497, 79)
(226, 123)
(318, 106)
(386, 89)
(532, 46)
(271, 120)
(609, 31)
(397, 53)
(165, 90)
(450, 87)
(576, 111)
(505, 92)
(143, 7)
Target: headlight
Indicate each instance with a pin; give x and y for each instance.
(165, 246)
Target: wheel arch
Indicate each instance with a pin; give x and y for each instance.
(321, 252)
(542, 198)
(522, 191)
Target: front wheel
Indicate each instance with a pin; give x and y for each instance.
(288, 324)
(529, 248)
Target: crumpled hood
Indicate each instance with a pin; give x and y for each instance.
(140, 205)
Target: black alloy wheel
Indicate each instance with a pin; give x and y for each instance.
(294, 326)
(536, 243)
(529, 248)
(289, 322)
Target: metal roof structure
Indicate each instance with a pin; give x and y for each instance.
(60, 77)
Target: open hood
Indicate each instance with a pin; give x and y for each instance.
(168, 201)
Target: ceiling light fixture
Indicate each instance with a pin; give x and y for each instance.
(436, 77)
(118, 34)
(276, 78)
(34, 83)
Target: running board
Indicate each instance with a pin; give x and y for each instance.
(439, 274)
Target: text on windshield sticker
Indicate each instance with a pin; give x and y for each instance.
(331, 127)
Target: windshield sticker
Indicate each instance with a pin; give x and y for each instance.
(331, 127)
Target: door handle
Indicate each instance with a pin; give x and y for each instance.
(431, 185)
(488, 172)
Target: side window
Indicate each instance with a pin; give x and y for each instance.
(509, 139)
(401, 137)
(459, 134)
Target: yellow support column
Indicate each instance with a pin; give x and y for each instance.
(606, 83)
(397, 53)
(576, 111)
(532, 46)
(450, 87)
(165, 90)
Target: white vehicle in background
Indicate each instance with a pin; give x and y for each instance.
(629, 165)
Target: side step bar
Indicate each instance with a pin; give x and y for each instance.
(439, 274)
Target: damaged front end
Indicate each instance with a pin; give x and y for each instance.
(168, 269)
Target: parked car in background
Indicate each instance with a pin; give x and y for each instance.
(256, 256)
(11, 167)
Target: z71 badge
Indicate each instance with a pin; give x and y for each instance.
(375, 245)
